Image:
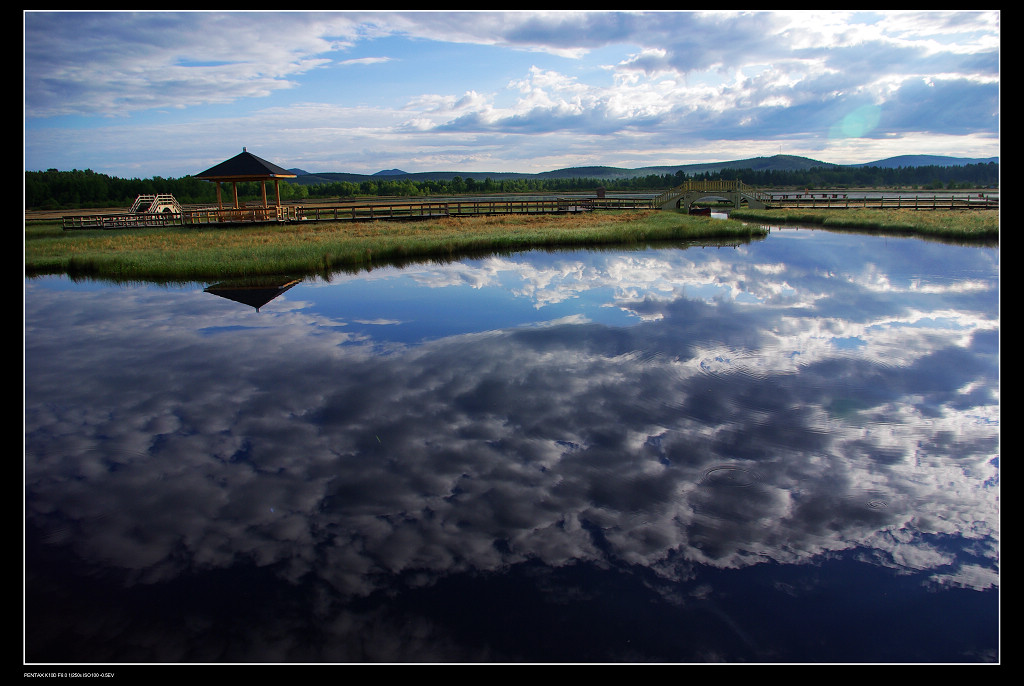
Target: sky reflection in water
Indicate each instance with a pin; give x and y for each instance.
(607, 433)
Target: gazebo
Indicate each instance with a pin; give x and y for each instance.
(246, 167)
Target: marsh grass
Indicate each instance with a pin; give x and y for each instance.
(953, 224)
(254, 250)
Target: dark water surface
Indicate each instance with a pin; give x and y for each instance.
(782, 451)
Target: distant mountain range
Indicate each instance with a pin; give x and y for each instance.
(774, 162)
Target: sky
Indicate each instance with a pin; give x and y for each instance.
(170, 94)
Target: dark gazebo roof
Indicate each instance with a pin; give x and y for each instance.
(255, 292)
(245, 167)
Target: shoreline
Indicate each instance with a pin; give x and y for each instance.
(971, 226)
(204, 253)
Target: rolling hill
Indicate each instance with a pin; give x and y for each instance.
(774, 162)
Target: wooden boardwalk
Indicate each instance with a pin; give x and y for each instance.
(372, 211)
(912, 201)
(395, 210)
(740, 194)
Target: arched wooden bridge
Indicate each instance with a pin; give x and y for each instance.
(734, 191)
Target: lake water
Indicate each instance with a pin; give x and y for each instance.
(785, 450)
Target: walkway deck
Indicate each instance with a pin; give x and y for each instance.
(909, 201)
(740, 194)
(395, 210)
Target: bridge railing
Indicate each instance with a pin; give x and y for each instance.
(703, 186)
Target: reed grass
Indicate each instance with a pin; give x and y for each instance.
(951, 224)
(181, 253)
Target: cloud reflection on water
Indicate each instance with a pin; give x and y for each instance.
(721, 422)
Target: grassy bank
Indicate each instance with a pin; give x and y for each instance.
(218, 252)
(951, 224)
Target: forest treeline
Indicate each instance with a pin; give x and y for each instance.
(53, 189)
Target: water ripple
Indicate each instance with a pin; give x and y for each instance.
(731, 476)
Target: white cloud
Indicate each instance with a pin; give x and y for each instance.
(684, 80)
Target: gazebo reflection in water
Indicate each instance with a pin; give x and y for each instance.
(255, 292)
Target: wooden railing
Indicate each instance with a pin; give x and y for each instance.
(833, 200)
(371, 211)
(233, 215)
(709, 186)
(152, 203)
(206, 215)
(197, 215)
(123, 221)
(192, 216)
(462, 208)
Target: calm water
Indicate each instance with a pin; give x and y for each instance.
(785, 450)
